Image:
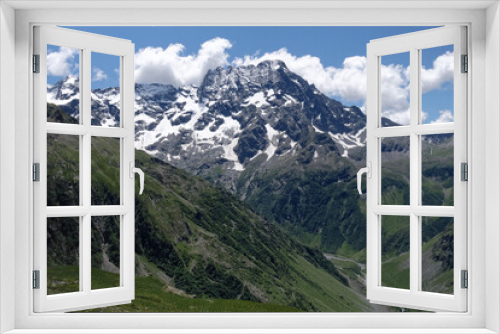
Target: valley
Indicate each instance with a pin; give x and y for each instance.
(250, 202)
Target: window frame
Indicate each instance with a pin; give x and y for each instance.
(476, 317)
(414, 44)
(87, 44)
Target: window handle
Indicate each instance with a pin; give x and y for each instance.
(134, 170)
(368, 171)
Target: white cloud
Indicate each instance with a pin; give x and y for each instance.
(445, 116)
(440, 73)
(395, 92)
(349, 82)
(158, 65)
(424, 116)
(99, 75)
(62, 62)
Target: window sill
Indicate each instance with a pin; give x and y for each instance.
(254, 331)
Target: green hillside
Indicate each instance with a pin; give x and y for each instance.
(315, 200)
(437, 232)
(200, 249)
(195, 243)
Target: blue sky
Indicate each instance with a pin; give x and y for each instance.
(330, 57)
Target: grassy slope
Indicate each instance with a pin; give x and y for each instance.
(395, 271)
(195, 239)
(437, 189)
(206, 243)
(153, 296)
(315, 201)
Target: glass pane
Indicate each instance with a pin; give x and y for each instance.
(437, 254)
(437, 76)
(395, 89)
(63, 255)
(105, 252)
(437, 170)
(395, 170)
(396, 252)
(63, 84)
(105, 171)
(63, 170)
(105, 97)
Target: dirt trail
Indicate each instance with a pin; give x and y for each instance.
(362, 266)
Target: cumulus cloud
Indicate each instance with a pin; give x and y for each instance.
(62, 62)
(169, 65)
(424, 116)
(349, 81)
(99, 75)
(440, 73)
(394, 91)
(445, 116)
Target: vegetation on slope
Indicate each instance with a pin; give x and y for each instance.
(197, 240)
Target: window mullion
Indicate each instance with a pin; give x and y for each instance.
(81, 232)
(414, 171)
(86, 168)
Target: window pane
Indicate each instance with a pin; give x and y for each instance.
(105, 97)
(437, 170)
(395, 170)
(395, 89)
(436, 79)
(105, 171)
(63, 84)
(437, 254)
(105, 252)
(396, 251)
(63, 255)
(63, 170)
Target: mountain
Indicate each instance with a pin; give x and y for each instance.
(265, 134)
(235, 115)
(239, 127)
(194, 240)
(281, 146)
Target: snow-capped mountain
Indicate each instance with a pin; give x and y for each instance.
(236, 115)
(105, 103)
(261, 132)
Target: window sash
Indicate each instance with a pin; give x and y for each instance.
(86, 297)
(414, 298)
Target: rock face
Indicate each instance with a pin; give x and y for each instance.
(234, 116)
(261, 132)
(238, 128)
(287, 150)
(198, 239)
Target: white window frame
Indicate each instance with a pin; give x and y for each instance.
(87, 44)
(414, 297)
(483, 102)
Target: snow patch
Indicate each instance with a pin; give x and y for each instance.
(145, 118)
(108, 123)
(229, 154)
(257, 100)
(316, 129)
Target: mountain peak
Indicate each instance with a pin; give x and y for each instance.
(273, 64)
(236, 115)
